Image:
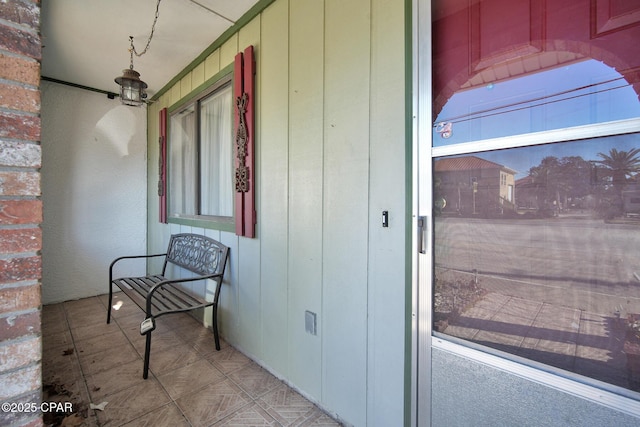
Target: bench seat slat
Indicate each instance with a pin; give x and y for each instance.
(177, 298)
(136, 292)
(169, 297)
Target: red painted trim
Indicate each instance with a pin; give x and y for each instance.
(237, 92)
(244, 70)
(249, 88)
(162, 166)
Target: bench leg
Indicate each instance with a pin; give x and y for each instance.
(147, 350)
(110, 303)
(214, 322)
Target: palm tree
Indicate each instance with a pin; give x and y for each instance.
(622, 166)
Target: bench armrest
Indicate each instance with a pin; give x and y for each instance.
(129, 257)
(159, 285)
(135, 256)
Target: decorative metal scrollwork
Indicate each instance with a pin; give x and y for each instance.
(242, 179)
(242, 171)
(161, 169)
(197, 253)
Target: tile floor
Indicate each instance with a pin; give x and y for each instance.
(190, 383)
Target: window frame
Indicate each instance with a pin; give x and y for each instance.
(427, 338)
(223, 78)
(621, 398)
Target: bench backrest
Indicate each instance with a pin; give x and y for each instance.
(199, 254)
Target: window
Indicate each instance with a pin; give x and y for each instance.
(537, 258)
(201, 156)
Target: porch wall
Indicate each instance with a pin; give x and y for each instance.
(330, 157)
(94, 190)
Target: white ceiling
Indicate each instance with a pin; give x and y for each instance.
(86, 42)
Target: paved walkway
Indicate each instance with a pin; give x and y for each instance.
(568, 338)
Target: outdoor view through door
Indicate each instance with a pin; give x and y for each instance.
(536, 183)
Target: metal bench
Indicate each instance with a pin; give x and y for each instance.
(158, 295)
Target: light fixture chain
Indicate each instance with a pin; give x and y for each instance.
(153, 28)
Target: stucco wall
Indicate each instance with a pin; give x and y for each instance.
(93, 189)
(330, 157)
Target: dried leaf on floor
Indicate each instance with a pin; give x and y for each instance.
(73, 420)
(99, 406)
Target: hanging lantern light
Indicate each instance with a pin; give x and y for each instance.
(132, 89)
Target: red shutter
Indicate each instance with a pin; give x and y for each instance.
(249, 86)
(244, 92)
(162, 167)
(237, 92)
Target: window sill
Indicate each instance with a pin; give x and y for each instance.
(209, 222)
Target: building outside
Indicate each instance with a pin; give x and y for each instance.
(470, 185)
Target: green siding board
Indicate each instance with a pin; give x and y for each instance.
(386, 192)
(274, 163)
(306, 134)
(345, 221)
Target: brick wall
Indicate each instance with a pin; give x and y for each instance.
(20, 209)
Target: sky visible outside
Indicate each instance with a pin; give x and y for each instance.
(582, 93)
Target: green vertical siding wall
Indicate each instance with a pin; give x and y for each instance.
(330, 157)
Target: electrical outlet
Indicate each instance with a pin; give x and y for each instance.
(310, 322)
